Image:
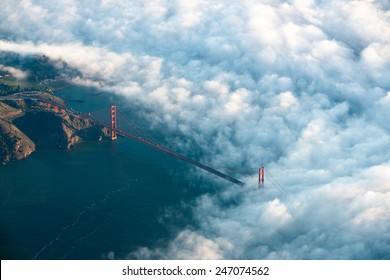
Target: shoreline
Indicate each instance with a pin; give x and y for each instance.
(33, 125)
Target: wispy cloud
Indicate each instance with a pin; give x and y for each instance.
(16, 73)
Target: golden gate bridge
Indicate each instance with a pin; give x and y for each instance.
(154, 144)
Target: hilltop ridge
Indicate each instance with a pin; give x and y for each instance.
(26, 125)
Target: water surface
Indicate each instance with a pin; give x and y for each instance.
(93, 199)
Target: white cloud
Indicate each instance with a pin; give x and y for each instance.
(16, 73)
(299, 86)
(287, 99)
(187, 245)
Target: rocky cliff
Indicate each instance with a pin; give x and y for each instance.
(14, 144)
(49, 130)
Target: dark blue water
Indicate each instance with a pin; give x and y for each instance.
(93, 199)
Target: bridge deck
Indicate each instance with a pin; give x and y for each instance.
(179, 156)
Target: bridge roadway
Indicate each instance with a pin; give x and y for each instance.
(128, 135)
(172, 153)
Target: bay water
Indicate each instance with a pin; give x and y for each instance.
(94, 199)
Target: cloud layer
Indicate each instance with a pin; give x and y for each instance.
(300, 86)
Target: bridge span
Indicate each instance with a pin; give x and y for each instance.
(171, 152)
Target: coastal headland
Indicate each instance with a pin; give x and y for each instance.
(28, 123)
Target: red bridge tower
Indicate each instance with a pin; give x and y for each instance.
(113, 122)
(261, 175)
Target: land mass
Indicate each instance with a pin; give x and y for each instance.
(31, 117)
(27, 124)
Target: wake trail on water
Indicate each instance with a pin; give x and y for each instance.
(79, 242)
(71, 228)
